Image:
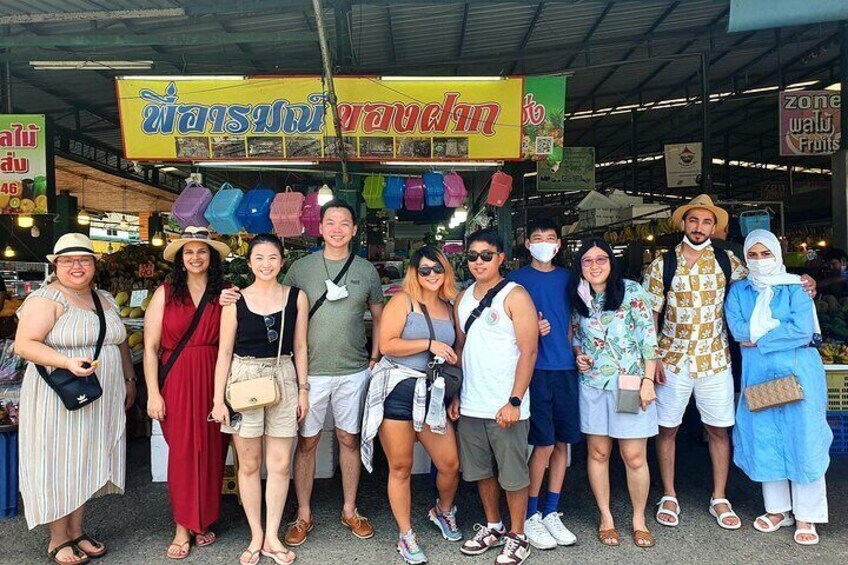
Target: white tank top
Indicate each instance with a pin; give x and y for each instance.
(489, 358)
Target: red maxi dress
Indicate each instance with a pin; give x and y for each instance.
(196, 448)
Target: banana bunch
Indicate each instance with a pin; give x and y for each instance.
(833, 354)
(238, 245)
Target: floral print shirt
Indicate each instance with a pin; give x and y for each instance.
(618, 342)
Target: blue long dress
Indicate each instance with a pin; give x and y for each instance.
(791, 441)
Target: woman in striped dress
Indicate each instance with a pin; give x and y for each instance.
(71, 456)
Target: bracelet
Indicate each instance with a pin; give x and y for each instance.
(303, 386)
(648, 379)
(375, 359)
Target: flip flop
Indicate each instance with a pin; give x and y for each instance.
(91, 554)
(609, 537)
(78, 553)
(720, 517)
(179, 546)
(644, 536)
(283, 556)
(205, 538)
(663, 511)
(787, 520)
(808, 531)
(252, 560)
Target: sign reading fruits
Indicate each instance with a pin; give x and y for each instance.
(23, 164)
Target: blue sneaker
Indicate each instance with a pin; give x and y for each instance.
(410, 550)
(446, 522)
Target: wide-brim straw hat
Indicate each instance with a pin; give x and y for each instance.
(705, 202)
(73, 244)
(191, 234)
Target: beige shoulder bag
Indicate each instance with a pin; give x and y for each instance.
(262, 391)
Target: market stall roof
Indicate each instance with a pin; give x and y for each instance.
(625, 57)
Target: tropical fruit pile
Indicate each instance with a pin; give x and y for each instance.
(126, 270)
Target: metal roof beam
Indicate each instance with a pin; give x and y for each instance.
(462, 29)
(392, 51)
(595, 25)
(522, 47)
(146, 40)
(95, 16)
(657, 23)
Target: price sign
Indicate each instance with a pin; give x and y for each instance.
(146, 270)
(137, 297)
(12, 188)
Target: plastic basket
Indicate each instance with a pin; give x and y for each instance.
(837, 391)
(838, 422)
(393, 193)
(413, 194)
(222, 213)
(455, 191)
(190, 206)
(311, 215)
(754, 220)
(286, 210)
(500, 189)
(255, 210)
(434, 189)
(8, 474)
(373, 192)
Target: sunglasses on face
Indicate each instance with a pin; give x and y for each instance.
(600, 262)
(425, 271)
(273, 335)
(486, 256)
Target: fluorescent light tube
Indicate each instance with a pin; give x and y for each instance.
(249, 163)
(443, 164)
(442, 78)
(90, 65)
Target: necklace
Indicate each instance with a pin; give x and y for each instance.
(329, 278)
(79, 293)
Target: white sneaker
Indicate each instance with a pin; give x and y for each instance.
(557, 529)
(537, 534)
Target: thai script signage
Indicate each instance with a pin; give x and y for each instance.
(543, 118)
(23, 164)
(289, 118)
(809, 122)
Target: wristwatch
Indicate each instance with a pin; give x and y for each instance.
(515, 401)
(303, 386)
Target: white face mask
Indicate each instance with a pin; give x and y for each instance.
(763, 267)
(699, 246)
(544, 252)
(335, 292)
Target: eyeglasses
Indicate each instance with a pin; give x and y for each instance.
(66, 262)
(273, 335)
(425, 271)
(600, 261)
(486, 256)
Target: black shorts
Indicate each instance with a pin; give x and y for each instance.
(398, 405)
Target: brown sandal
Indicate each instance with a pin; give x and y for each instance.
(94, 543)
(645, 537)
(609, 537)
(77, 552)
(202, 539)
(179, 546)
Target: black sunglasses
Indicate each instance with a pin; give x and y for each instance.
(425, 271)
(486, 256)
(273, 335)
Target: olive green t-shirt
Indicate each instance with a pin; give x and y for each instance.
(337, 338)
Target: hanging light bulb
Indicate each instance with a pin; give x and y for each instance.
(35, 232)
(158, 239)
(325, 194)
(8, 252)
(83, 218)
(25, 221)
(461, 214)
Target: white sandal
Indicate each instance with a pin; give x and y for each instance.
(808, 531)
(663, 511)
(720, 517)
(787, 520)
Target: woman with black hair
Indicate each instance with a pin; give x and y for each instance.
(615, 345)
(181, 403)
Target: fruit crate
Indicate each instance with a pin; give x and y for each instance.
(837, 388)
(838, 422)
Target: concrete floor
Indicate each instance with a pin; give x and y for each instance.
(137, 526)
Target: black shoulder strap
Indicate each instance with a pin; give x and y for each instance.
(163, 372)
(485, 303)
(320, 301)
(669, 268)
(429, 321)
(101, 316)
(724, 262)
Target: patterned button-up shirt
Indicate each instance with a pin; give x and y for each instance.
(693, 331)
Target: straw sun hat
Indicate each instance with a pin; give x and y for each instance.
(704, 202)
(72, 244)
(190, 234)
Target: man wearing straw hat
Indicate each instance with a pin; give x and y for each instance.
(688, 285)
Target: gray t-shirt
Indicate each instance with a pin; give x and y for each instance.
(337, 331)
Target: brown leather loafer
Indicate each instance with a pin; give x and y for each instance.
(359, 525)
(297, 531)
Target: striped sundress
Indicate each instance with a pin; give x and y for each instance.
(67, 457)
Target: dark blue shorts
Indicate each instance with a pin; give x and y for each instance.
(398, 404)
(554, 408)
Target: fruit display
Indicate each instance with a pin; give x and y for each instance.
(833, 317)
(119, 272)
(640, 232)
(834, 354)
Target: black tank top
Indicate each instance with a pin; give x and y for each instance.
(252, 333)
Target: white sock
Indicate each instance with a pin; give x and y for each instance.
(522, 537)
(496, 526)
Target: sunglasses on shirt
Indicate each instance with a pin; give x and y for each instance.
(425, 271)
(486, 256)
(272, 334)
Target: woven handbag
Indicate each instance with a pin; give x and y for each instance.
(774, 393)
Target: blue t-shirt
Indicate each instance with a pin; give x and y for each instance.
(549, 292)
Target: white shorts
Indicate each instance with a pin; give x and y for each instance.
(345, 394)
(713, 397)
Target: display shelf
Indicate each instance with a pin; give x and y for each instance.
(23, 277)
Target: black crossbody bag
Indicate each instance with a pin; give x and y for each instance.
(452, 374)
(198, 313)
(77, 392)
